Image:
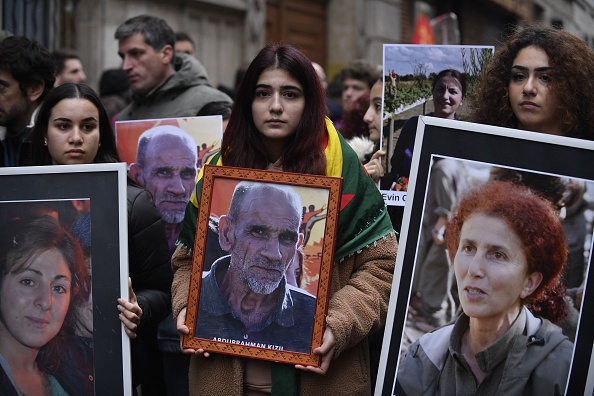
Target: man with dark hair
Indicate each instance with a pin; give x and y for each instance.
(357, 79)
(26, 76)
(184, 43)
(68, 67)
(164, 83)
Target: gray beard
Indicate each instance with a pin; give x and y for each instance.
(172, 217)
(262, 287)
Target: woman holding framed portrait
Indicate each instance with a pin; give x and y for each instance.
(73, 128)
(278, 123)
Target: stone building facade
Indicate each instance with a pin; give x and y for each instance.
(228, 33)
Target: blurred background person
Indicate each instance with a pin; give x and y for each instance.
(334, 109)
(27, 75)
(164, 83)
(114, 91)
(68, 67)
(184, 43)
(356, 79)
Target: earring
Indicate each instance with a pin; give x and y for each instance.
(99, 144)
(45, 141)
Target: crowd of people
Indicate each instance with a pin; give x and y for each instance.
(281, 117)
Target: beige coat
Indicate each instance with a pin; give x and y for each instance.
(358, 304)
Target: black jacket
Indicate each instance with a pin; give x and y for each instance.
(151, 274)
(149, 260)
(16, 150)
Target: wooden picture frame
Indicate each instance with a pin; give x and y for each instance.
(483, 146)
(320, 198)
(51, 188)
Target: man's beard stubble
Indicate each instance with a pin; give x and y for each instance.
(172, 217)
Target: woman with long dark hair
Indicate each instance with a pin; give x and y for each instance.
(73, 128)
(278, 123)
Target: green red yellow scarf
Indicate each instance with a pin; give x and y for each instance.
(363, 218)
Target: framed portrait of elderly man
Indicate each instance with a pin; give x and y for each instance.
(63, 264)
(493, 287)
(164, 156)
(261, 264)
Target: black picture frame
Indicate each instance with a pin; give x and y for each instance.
(495, 146)
(105, 186)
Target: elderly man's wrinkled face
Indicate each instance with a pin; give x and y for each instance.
(169, 174)
(266, 235)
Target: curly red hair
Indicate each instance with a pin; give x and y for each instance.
(538, 226)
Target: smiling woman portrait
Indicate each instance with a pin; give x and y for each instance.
(43, 278)
(508, 249)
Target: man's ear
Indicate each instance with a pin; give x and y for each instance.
(167, 53)
(136, 174)
(35, 90)
(226, 235)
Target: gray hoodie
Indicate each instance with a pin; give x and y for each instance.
(537, 364)
(183, 94)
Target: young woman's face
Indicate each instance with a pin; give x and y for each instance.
(492, 270)
(277, 109)
(34, 302)
(373, 116)
(534, 103)
(447, 97)
(73, 132)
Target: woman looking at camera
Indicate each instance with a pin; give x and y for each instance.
(278, 123)
(73, 128)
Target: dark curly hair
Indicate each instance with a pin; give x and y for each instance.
(28, 62)
(538, 226)
(572, 68)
